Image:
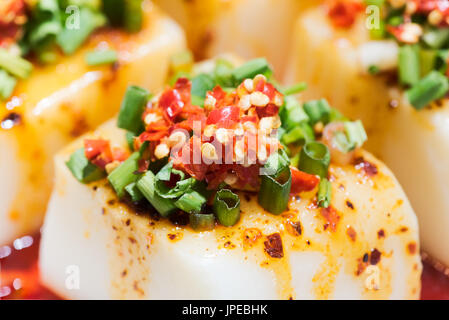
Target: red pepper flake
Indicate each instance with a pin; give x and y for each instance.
(302, 181)
(331, 216)
(381, 234)
(273, 246)
(250, 236)
(294, 228)
(343, 13)
(367, 167)
(352, 234)
(412, 248)
(374, 256)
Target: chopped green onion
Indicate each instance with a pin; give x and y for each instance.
(300, 134)
(373, 70)
(315, 159)
(201, 221)
(356, 133)
(436, 38)
(318, 111)
(409, 64)
(130, 140)
(191, 202)
(341, 141)
(275, 190)
(201, 84)
(427, 60)
(324, 193)
(223, 73)
(294, 161)
(71, 39)
(296, 88)
(432, 87)
(227, 207)
(133, 15)
(7, 85)
(82, 169)
(276, 162)
(146, 185)
(124, 174)
(133, 105)
(114, 11)
(134, 192)
(15, 65)
(292, 113)
(100, 57)
(250, 69)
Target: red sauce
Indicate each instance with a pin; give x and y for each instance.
(22, 264)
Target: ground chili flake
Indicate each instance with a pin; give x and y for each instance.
(273, 246)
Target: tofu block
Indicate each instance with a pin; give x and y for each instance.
(96, 247)
(414, 144)
(249, 28)
(60, 102)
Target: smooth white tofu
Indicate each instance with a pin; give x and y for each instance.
(114, 252)
(414, 144)
(60, 102)
(250, 28)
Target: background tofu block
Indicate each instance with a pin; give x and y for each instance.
(94, 246)
(249, 28)
(59, 102)
(414, 144)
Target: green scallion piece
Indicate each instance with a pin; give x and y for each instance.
(146, 185)
(124, 174)
(82, 169)
(223, 73)
(356, 133)
(432, 87)
(227, 207)
(292, 113)
(300, 134)
(296, 88)
(201, 84)
(129, 136)
(14, 64)
(409, 68)
(436, 38)
(315, 159)
(71, 39)
(134, 192)
(7, 85)
(133, 15)
(427, 60)
(101, 57)
(191, 202)
(201, 221)
(250, 69)
(324, 196)
(133, 105)
(275, 190)
(318, 111)
(276, 163)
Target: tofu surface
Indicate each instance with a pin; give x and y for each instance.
(95, 247)
(60, 102)
(414, 144)
(249, 28)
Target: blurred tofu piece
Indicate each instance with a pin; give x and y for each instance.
(60, 102)
(249, 28)
(414, 144)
